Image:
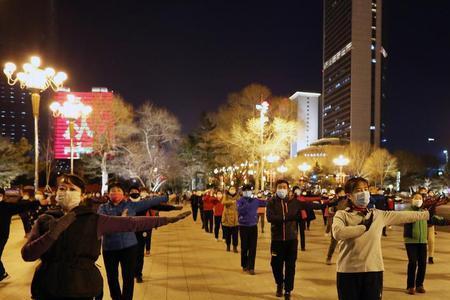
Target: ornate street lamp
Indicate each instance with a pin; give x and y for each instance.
(71, 110)
(304, 167)
(36, 81)
(341, 161)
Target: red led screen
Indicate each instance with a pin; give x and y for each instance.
(86, 130)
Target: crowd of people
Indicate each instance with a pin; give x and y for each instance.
(67, 230)
(355, 217)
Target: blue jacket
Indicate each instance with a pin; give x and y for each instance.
(248, 210)
(117, 241)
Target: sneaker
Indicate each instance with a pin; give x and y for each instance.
(279, 290)
(411, 291)
(139, 279)
(251, 272)
(430, 260)
(421, 290)
(287, 295)
(4, 276)
(328, 262)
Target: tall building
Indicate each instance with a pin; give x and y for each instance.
(308, 120)
(352, 70)
(16, 119)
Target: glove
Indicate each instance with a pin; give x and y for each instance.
(179, 217)
(56, 227)
(367, 222)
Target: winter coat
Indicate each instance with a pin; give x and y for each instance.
(230, 213)
(218, 209)
(283, 214)
(117, 241)
(417, 232)
(209, 202)
(248, 210)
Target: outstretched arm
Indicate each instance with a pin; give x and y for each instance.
(148, 203)
(403, 217)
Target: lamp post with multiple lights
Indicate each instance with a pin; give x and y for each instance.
(36, 81)
(341, 161)
(263, 108)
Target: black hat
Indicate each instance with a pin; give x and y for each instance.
(247, 187)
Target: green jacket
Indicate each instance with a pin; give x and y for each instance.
(417, 232)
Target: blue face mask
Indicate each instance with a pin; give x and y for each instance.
(361, 199)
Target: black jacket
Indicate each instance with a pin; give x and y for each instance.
(68, 267)
(7, 210)
(283, 216)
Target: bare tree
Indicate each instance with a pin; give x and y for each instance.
(380, 165)
(358, 153)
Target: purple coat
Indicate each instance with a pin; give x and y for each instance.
(248, 210)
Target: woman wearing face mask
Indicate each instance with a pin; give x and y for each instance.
(230, 219)
(144, 238)
(358, 232)
(283, 213)
(247, 207)
(69, 246)
(415, 235)
(121, 248)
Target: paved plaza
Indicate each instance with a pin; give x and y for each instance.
(187, 263)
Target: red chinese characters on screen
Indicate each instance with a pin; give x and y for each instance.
(87, 130)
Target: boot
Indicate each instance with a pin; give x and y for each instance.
(287, 295)
(430, 260)
(328, 262)
(420, 289)
(411, 291)
(228, 248)
(235, 249)
(279, 290)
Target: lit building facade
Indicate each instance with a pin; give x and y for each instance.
(308, 118)
(352, 70)
(16, 119)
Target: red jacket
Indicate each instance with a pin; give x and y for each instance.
(218, 209)
(208, 202)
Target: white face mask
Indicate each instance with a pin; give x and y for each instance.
(247, 193)
(68, 199)
(361, 199)
(298, 192)
(282, 193)
(417, 202)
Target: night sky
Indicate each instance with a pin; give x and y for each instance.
(189, 55)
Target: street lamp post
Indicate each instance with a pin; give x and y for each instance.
(71, 110)
(272, 158)
(262, 108)
(36, 81)
(341, 161)
(304, 167)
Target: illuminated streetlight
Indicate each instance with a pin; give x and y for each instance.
(71, 110)
(282, 169)
(341, 161)
(263, 108)
(304, 167)
(36, 81)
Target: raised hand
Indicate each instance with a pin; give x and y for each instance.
(367, 221)
(178, 217)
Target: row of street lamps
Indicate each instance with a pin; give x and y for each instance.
(36, 80)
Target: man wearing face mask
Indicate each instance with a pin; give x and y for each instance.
(144, 238)
(7, 210)
(247, 207)
(122, 248)
(69, 245)
(358, 231)
(415, 236)
(283, 213)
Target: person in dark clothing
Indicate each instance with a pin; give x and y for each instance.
(25, 217)
(339, 202)
(283, 213)
(144, 237)
(195, 204)
(7, 210)
(247, 208)
(122, 248)
(68, 243)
